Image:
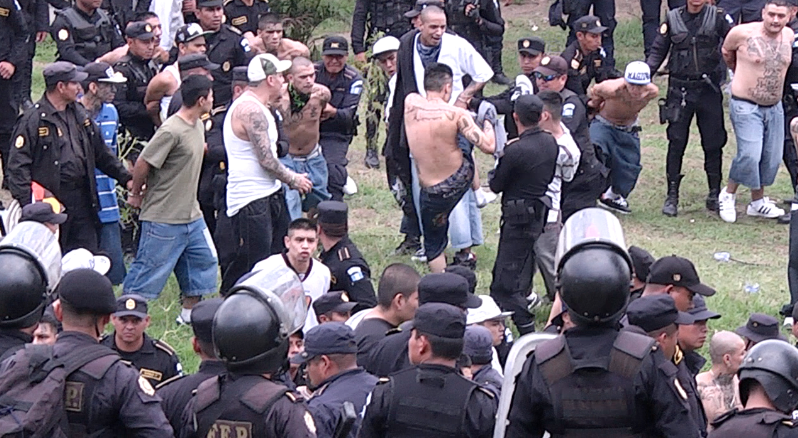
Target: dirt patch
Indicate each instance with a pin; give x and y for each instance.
(624, 9)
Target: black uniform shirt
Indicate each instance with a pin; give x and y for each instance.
(177, 391)
(129, 97)
(583, 68)
(350, 273)
(155, 360)
(12, 340)
(367, 334)
(328, 399)
(245, 18)
(229, 49)
(345, 90)
(73, 157)
(69, 44)
(13, 30)
(754, 423)
(527, 167)
(390, 354)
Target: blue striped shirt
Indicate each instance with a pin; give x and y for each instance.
(108, 120)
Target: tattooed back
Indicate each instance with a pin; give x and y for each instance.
(760, 62)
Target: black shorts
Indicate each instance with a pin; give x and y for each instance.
(437, 202)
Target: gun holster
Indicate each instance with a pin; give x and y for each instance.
(669, 111)
(518, 212)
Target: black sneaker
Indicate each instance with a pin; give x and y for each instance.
(784, 219)
(618, 205)
(465, 258)
(409, 246)
(372, 160)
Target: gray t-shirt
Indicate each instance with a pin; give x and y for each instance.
(175, 153)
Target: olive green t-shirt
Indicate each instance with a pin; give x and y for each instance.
(175, 153)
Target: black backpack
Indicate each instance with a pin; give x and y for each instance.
(32, 390)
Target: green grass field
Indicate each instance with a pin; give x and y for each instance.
(695, 234)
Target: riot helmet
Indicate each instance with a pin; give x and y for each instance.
(774, 365)
(593, 268)
(252, 326)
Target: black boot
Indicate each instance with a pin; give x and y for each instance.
(712, 202)
(372, 160)
(671, 206)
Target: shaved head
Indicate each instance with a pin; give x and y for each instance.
(722, 343)
(431, 11)
(300, 61)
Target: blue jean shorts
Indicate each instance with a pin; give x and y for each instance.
(186, 249)
(437, 202)
(760, 142)
(316, 168)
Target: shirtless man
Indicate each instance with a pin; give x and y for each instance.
(190, 38)
(445, 171)
(717, 387)
(615, 129)
(301, 106)
(758, 53)
(270, 39)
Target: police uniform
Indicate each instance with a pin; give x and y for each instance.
(790, 104)
(36, 19)
(754, 423)
(349, 270)
(604, 11)
(129, 97)
(59, 150)
(431, 400)
(82, 38)
(155, 360)
(373, 16)
(13, 49)
(245, 18)
(336, 133)
(12, 340)
(490, 24)
(586, 67)
(523, 183)
(696, 71)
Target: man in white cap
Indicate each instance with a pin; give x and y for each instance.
(383, 55)
(615, 129)
(490, 316)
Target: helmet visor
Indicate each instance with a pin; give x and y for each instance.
(282, 289)
(40, 243)
(590, 226)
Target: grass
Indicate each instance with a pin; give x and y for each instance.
(695, 234)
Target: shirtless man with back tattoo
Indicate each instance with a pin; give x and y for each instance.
(445, 171)
(759, 54)
(301, 106)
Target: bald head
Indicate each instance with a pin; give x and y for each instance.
(299, 62)
(431, 12)
(723, 343)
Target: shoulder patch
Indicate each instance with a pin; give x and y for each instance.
(729, 19)
(575, 64)
(602, 52)
(19, 142)
(238, 21)
(355, 273)
(568, 110)
(245, 45)
(63, 34)
(356, 87)
(663, 28)
(145, 386)
(164, 346)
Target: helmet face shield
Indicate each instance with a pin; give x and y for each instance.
(41, 244)
(587, 227)
(282, 290)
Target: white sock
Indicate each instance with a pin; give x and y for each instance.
(758, 203)
(794, 206)
(185, 314)
(610, 194)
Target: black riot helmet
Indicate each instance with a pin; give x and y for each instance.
(593, 268)
(774, 365)
(252, 326)
(23, 289)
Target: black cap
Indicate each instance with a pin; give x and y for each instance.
(654, 312)
(140, 30)
(589, 23)
(439, 319)
(447, 288)
(240, 74)
(333, 302)
(760, 327)
(420, 5)
(641, 261)
(87, 290)
(329, 338)
(552, 65)
(103, 72)
(131, 305)
(62, 71)
(532, 45)
(700, 312)
(335, 45)
(678, 271)
(332, 212)
(529, 105)
(478, 344)
(195, 60)
(190, 31)
(209, 3)
(468, 274)
(42, 212)
(202, 318)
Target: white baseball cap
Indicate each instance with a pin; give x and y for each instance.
(82, 258)
(265, 65)
(488, 311)
(385, 44)
(638, 73)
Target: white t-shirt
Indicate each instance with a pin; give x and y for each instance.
(567, 162)
(316, 282)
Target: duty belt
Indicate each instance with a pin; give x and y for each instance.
(634, 127)
(313, 154)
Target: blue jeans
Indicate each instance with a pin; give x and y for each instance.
(186, 249)
(111, 246)
(622, 152)
(437, 203)
(316, 168)
(760, 142)
(465, 223)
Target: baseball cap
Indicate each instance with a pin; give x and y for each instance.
(195, 60)
(761, 327)
(552, 65)
(188, 32)
(448, 288)
(87, 290)
(655, 312)
(420, 5)
(678, 271)
(335, 45)
(62, 71)
(140, 30)
(42, 212)
(103, 72)
(637, 73)
(131, 305)
(202, 318)
(439, 319)
(528, 104)
(488, 311)
(589, 23)
(700, 312)
(532, 45)
(240, 74)
(333, 302)
(641, 261)
(265, 65)
(384, 45)
(329, 338)
(82, 258)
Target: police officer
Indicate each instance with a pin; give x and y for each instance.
(555, 391)
(604, 11)
(57, 145)
(83, 32)
(339, 118)
(374, 16)
(760, 328)
(651, 15)
(36, 17)
(692, 34)
(330, 358)
(693, 337)
(139, 71)
(350, 271)
(769, 392)
(524, 183)
(250, 333)
(586, 59)
(790, 106)
(244, 14)
(177, 391)
(657, 315)
(155, 359)
(13, 54)
(475, 21)
(224, 46)
(431, 398)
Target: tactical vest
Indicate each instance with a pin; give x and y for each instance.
(92, 40)
(597, 397)
(427, 404)
(693, 56)
(756, 425)
(80, 388)
(387, 16)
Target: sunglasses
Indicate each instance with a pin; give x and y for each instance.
(546, 78)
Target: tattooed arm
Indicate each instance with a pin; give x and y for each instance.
(322, 93)
(730, 45)
(468, 93)
(484, 139)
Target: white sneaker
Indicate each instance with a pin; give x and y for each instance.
(350, 188)
(533, 301)
(727, 211)
(766, 210)
(788, 322)
(419, 257)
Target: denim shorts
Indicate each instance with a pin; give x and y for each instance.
(621, 150)
(186, 249)
(316, 168)
(760, 142)
(437, 202)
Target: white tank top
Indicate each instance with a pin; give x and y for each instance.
(175, 72)
(247, 181)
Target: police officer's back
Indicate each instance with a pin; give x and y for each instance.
(84, 32)
(769, 392)
(137, 68)
(431, 399)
